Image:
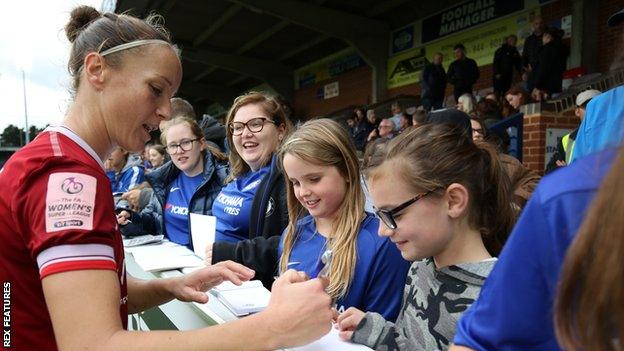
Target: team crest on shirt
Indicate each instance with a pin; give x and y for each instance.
(70, 201)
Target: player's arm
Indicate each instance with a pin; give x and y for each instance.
(298, 313)
(144, 294)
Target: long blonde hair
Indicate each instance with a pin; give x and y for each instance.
(273, 110)
(325, 142)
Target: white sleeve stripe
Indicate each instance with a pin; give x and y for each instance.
(76, 259)
(56, 147)
(74, 252)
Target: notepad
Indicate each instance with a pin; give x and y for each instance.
(250, 297)
(166, 256)
(203, 229)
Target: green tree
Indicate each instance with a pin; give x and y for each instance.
(12, 136)
(33, 132)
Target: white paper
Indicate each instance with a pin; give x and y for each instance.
(331, 341)
(249, 297)
(203, 229)
(167, 256)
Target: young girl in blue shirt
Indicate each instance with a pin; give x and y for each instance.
(323, 178)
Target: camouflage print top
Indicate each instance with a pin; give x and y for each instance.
(433, 301)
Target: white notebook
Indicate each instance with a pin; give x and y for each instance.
(250, 297)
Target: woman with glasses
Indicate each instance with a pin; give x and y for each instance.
(253, 203)
(444, 201)
(188, 183)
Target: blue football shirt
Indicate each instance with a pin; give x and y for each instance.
(380, 271)
(176, 213)
(232, 207)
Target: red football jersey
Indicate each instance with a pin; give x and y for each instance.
(56, 215)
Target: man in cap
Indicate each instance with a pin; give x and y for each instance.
(565, 146)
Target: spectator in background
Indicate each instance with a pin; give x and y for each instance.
(419, 117)
(478, 129)
(466, 104)
(396, 111)
(463, 72)
(372, 119)
(157, 155)
(124, 173)
(532, 45)
(506, 58)
(361, 129)
(565, 145)
(382, 135)
(405, 122)
(551, 63)
(181, 107)
(494, 96)
(214, 132)
(351, 126)
(516, 97)
(489, 111)
(385, 130)
(433, 83)
(145, 157)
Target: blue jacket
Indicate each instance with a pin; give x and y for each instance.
(130, 176)
(514, 309)
(150, 219)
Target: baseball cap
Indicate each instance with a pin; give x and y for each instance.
(616, 18)
(585, 96)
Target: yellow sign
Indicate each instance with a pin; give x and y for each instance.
(480, 43)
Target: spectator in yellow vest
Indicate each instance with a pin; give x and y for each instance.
(565, 146)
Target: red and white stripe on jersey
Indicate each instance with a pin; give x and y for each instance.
(64, 258)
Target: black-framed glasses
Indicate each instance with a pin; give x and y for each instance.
(254, 125)
(185, 145)
(387, 216)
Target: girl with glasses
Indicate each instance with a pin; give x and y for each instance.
(326, 211)
(444, 202)
(188, 183)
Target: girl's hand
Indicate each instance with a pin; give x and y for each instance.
(348, 321)
(123, 218)
(192, 287)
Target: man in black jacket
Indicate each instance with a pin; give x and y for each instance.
(433, 83)
(506, 58)
(550, 66)
(532, 46)
(463, 72)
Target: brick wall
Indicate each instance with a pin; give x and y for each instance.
(610, 39)
(534, 136)
(354, 89)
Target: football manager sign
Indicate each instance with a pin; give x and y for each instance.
(466, 15)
